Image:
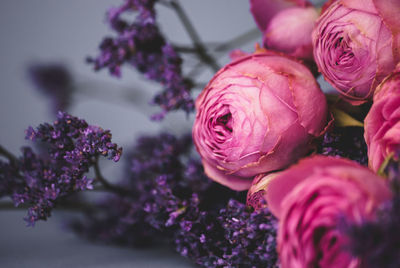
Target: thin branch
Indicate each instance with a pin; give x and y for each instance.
(105, 183)
(185, 49)
(4, 152)
(238, 40)
(201, 50)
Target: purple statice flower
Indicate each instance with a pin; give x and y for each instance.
(140, 43)
(41, 180)
(55, 81)
(231, 237)
(377, 242)
(159, 195)
(347, 142)
(172, 200)
(119, 220)
(71, 139)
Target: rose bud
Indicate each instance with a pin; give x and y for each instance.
(356, 44)
(256, 196)
(257, 114)
(382, 123)
(264, 10)
(287, 26)
(290, 32)
(311, 198)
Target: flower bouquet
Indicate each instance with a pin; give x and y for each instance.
(275, 173)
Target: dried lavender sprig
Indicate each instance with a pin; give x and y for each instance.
(347, 142)
(230, 237)
(41, 180)
(173, 200)
(140, 43)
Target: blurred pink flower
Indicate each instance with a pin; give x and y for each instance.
(356, 44)
(290, 32)
(382, 124)
(258, 114)
(264, 10)
(287, 25)
(309, 200)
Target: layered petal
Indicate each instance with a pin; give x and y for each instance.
(382, 123)
(309, 199)
(354, 46)
(258, 114)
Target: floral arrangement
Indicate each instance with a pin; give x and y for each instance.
(276, 173)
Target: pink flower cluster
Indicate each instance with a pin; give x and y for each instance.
(263, 112)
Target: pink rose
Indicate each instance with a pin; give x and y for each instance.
(258, 114)
(290, 32)
(382, 124)
(287, 25)
(310, 198)
(264, 10)
(356, 44)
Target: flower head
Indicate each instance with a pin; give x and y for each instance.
(309, 200)
(286, 25)
(356, 44)
(382, 124)
(40, 180)
(258, 114)
(140, 43)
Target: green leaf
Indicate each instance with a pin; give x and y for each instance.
(381, 170)
(343, 119)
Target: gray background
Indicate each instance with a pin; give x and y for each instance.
(67, 32)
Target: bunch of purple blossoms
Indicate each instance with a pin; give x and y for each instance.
(172, 200)
(141, 44)
(230, 237)
(346, 142)
(377, 242)
(157, 193)
(42, 180)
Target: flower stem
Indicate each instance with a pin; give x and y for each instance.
(199, 47)
(238, 40)
(106, 184)
(4, 152)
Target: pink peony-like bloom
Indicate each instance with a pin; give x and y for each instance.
(356, 44)
(287, 25)
(311, 198)
(382, 124)
(258, 114)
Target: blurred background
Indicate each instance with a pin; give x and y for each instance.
(67, 32)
